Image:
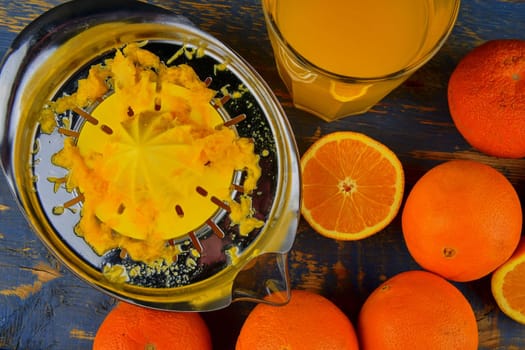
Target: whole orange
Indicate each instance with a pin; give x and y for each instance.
(486, 95)
(462, 219)
(309, 321)
(130, 327)
(417, 310)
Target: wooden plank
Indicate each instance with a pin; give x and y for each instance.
(44, 306)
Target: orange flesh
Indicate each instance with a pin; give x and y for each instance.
(514, 288)
(350, 187)
(345, 189)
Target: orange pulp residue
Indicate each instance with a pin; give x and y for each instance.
(155, 162)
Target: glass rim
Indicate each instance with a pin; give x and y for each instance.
(409, 69)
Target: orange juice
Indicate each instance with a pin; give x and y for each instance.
(340, 57)
(355, 38)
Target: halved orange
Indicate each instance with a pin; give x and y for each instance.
(508, 285)
(352, 185)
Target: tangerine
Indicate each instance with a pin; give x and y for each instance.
(309, 321)
(352, 185)
(508, 284)
(462, 219)
(417, 310)
(130, 327)
(486, 96)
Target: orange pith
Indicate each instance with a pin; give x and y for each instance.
(352, 185)
(508, 285)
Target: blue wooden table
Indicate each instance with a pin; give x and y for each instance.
(43, 306)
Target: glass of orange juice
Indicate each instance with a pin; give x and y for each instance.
(341, 57)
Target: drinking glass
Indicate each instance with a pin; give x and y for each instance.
(342, 58)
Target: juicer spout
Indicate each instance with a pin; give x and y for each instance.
(265, 279)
